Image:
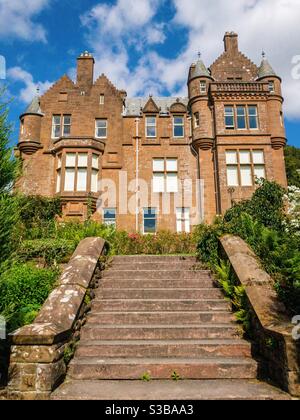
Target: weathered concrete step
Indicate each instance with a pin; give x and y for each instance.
(119, 318)
(159, 294)
(168, 390)
(135, 305)
(114, 283)
(167, 348)
(159, 332)
(126, 259)
(165, 265)
(153, 274)
(113, 369)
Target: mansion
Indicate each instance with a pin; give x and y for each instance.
(156, 163)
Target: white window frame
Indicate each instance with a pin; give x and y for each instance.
(203, 87)
(152, 218)
(102, 128)
(64, 125)
(110, 221)
(244, 108)
(197, 119)
(183, 220)
(54, 125)
(182, 125)
(165, 173)
(231, 115)
(271, 86)
(102, 99)
(251, 116)
(150, 125)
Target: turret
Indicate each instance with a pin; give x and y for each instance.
(266, 74)
(30, 129)
(198, 85)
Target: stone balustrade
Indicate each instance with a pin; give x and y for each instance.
(37, 363)
(272, 328)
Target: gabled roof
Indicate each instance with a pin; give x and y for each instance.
(134, 106)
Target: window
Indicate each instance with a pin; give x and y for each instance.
(197, 119)
(244, 166)
(151, 127)
(66, 125)
(150, 222)
(229, 117)
(202, 87)
(281, 118)
(253, 118)
(22, 126)
(95, 171)
(78, 173)
(183, 223)
(56, 126)
(101, 129)
(101, 101)
(109, 217)
(165, 175)
(271, 87)
(61, 126)
(241, 117)
(178, 127)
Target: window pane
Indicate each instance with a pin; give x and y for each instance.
(158, 165)
(229, 122)
(82, 180)
(83, 160)
(151, 120)
(172, 183)
(187, 221)
(202, 87)
(158, 183)
(56, 120)
(67, 130)
(69, 179)
(109, 217)
(149, 213)
(171, 165)
(151, 132)
(231, 157)
(252, 110)
(101, 123)
(241, 117)
(259, 171)
(94, 181)
(95, 161)
(246, 176)
(253, 120)
(70, 159)
(178, 131)
(59, 162)
(58, 181)
(245, 156)
(101, 128)
(258, 156)
(232, 176)
(178, 121)
(67, 119)
(179, 220)
(101, 99)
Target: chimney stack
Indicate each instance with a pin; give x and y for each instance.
(85, 70)
(231, 42)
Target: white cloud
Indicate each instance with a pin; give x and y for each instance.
(16, 19)
(26, 94)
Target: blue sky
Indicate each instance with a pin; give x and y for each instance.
(144, 46)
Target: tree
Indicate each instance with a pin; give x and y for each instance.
(292, 160)
(9, 166)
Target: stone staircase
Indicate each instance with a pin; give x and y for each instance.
(157, 317)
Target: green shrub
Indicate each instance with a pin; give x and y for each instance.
(51, 251)
(23, 289)
(9, 216)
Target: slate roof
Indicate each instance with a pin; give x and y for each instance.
(34, 106)
(265, 69)
(134, 106)
(199, 70)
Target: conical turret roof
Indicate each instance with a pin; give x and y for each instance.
(199, 70)
(265, 69)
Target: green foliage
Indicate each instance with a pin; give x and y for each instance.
(263, 224)
(69, 352)
(175, 377)
(9, 166)
(292, 161)
(23, 289)
(51, 251)
(9, 216)
(146, 377)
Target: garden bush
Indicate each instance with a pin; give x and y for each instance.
(23, 289)
(50, 251)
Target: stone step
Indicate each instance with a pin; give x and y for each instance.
(160, 349)
(201, 390)
(159, 332)
(134, 305)
(172, 318)
(153, 274)
(134, 369)
(159, 294)
(126, 259)
(138, 266)
(115, 283)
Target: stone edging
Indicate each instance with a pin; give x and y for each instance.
(272, 327)
(37, 355)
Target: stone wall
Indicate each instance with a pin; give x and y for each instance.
(37, 362)
(272, 328)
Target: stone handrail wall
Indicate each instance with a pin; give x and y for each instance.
(37, 355)
(272, 328)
